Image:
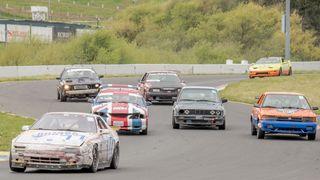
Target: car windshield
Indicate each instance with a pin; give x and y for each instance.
(209, 95)
(66, 122)
(79, 73)
(268, 61)
(285, 101)
(163, 77)
(121, 98)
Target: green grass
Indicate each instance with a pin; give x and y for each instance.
(10, 127)
(101, 8)
(28, 78)
(246, 90)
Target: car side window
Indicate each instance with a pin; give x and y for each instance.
(101, 124)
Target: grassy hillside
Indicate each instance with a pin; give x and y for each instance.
(176, 31)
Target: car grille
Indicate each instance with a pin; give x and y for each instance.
(44, 160)
(289, 119)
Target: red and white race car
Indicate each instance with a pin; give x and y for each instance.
(124, 109)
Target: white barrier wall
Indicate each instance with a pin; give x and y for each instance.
(129, 69)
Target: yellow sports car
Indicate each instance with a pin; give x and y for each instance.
(270, 66)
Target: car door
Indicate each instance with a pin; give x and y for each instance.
(104, 141)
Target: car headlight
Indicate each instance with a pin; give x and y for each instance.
(97, 85)
(66, 87)
(269, 118)
(308, 119)
(155, 90)
(178, 89)
(184, 111)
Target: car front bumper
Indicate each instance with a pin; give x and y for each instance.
(263, 73)
(199, 120)
(287, 127)
(50, 161)
(161, 96)
(87, 92)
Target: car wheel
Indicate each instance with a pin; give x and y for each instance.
(280, 71)
(14, 169)
(63, 98)
(58, 95)
(223, 126)
(95, 160)
(260, 134)
(144, 132)
(253, 129)
(312, 137)
(115, 158)
(174, 124)
(290, 72)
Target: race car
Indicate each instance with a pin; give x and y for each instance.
(122, 108)
(78, 83)
(64, 141)
(160, 86)
(198, 106)
(270, 66)
(283, 113)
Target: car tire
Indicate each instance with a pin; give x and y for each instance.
(223, 126)
(144, 132)
(312, 137)
(14, 169)
(280, 71)
(63, 98)
(95, 160)
(253, 129)
(115, 158)
(290, 72)
(174, 124)
(260, 134)
(58, 95)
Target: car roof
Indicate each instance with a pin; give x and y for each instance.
(284, 93)
(159, 72)
(80, 68)
(124, 90)
(114, 86)
(199, 87)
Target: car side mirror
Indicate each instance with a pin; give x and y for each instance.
(101, 76)
(174, 99)
(183, 81)
(104, 131)
(149, 103)
(315, 108)
(25, 128)
(57, 78)
(223, 100)
(256, 105)
(257, 97)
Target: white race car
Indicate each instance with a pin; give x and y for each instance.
(64, 140)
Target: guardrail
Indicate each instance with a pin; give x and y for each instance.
(131, 69)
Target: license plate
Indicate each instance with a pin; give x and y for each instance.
(189, 121)
(116, 128)
(199, 117)
(80, 87)
(118, 123)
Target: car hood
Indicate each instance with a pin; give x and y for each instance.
(199, 105)
(287, 112)
(265, 66)
(61, 138)
(119, 108)
(81, 81)
(163, 84)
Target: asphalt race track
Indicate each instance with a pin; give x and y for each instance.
(183, 154)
